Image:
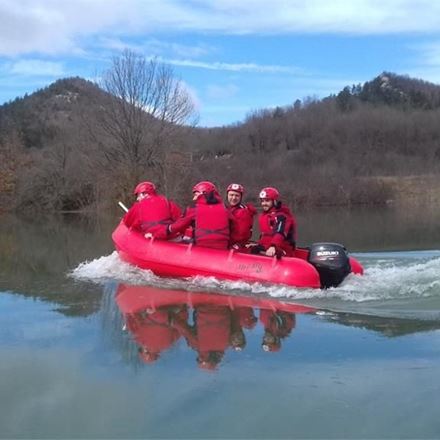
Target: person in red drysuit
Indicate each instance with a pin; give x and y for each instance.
(242, 216)
(208, 217)
(277, 226)
(150, 210)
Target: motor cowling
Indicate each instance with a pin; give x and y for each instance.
(331, 261)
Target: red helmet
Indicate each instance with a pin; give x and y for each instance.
(204, 187)
(145, 187)
(269, 193)
(235, 187)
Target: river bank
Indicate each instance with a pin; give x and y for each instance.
(372, 191)
(412, 189)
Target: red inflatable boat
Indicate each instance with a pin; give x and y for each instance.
(132, 299)
(321, 265)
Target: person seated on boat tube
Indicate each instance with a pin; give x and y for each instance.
(150, 210)
(277, 226)
(208, 218)
(242, 216)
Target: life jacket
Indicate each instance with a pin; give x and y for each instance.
(242, 221)
(272, 229)
(268, 222)
(212, 327)
(211, 225)
(153, 330)
(153, 211)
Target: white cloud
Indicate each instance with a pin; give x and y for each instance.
(30, 29)
(52, 26)
(155, 47)
(193, 95)
(292, 16)
(36, 68)
(429, 53)
(176, 49)
(426, 63)
(218, 92)
(233, 67)
(115, 43)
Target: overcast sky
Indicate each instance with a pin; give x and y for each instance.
(234, 56)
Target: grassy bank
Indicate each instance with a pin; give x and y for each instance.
(412, 189)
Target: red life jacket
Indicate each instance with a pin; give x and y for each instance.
(213, 327)
(153, 211)
(153, 331)
(211, 226)
(242, 222)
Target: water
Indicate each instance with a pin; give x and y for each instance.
(358, 361)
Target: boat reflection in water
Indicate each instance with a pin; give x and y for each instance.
(210, 323)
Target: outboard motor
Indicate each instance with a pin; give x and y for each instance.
(331, 261)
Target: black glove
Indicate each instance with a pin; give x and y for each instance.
(257, 249)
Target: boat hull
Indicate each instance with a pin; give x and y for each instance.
(169, 259)
(133, 299)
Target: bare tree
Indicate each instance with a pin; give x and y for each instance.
(146, 105)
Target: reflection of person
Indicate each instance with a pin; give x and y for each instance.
(208, 217)
(277, 226)
(242, 317)
(242, 216)
(152, 330)
(150, 209)
(210, 335)
(245, 317)
(277, 326)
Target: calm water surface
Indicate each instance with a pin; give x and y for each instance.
(92, 348)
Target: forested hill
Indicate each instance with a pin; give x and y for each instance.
(36, 119)
(392, 90)
(356, 146)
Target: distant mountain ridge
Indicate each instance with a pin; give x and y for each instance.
(62, 95)
(38, 114)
